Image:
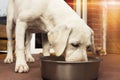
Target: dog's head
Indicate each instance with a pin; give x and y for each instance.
(73, 41)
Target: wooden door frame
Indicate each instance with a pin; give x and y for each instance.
(104, 15)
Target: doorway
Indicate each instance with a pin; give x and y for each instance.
(113, 26)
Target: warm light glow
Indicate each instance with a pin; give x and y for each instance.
(71, 3)
(113, 2)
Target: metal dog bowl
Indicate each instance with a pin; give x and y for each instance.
(56, 68)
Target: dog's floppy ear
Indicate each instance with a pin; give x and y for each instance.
(58, 37)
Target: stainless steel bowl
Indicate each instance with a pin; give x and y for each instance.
(56, 68)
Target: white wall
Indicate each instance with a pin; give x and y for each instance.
(3, 7)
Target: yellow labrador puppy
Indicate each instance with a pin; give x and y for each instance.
(67, 32)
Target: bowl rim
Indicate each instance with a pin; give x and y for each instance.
(97, 59)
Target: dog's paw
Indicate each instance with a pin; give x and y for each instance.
(21, 67)
(29, 58)
(8, 59)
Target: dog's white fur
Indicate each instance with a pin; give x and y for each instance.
(67, 33)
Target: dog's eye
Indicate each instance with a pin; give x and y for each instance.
(75, 45)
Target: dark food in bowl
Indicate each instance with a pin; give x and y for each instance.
(56, 68)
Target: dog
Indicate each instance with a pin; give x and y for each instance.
(66, 32)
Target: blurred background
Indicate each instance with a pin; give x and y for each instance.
(101, 15)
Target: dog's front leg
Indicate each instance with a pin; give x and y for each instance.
(21, 65)
(28, 56)
(9, 29)
(46, 45)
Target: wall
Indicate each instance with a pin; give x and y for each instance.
(113, 27)
(3, 7)
(95, 20)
